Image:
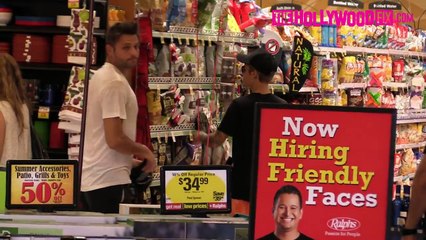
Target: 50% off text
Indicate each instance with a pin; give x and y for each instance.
(42, 192)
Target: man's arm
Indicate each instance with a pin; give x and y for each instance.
(117, 140)
(2, 134)
(214, 139)
(417, 202)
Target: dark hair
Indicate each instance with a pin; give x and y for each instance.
(265, 78)
(289, 189)
(118, 29)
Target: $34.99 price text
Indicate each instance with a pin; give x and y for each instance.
(42, 192)
(193, 183)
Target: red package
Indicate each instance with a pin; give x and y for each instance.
(398, 70)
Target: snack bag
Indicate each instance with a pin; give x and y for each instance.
(374, 95)
(398, 70)
(355, 97)
(347, 69)
(388, 100)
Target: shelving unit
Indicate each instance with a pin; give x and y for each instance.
(212, 36)
(162, 131)
(361, 50)
(163, 83)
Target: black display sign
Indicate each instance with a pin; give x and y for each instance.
(286, 6)
(301, 60)
(385, 5)
(42, 184)
(346, 3)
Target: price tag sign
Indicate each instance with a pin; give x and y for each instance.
(38, 183)
(190, 189)
(43, 112)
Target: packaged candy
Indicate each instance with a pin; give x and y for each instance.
(158, 15)
(387, 66)
(325, 35)
(388, 100)
(342, 98)
(398, 70)
(176, 12)
(329, 99)
(162, 62)
(397, 164)
(312, 80)
(154, 107)
(314, 99)
(347, 69)
(316, 35)
(360, 69)
(377, 72)
(408, 162)
(205, 11)
(355, 97)
(374, 95)
(402, 101)
(328, 74)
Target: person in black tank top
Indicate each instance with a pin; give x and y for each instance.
(238, 122)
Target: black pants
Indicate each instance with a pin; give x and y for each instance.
(106, 200)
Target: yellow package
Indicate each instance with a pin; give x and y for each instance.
(154, 107)
(347, 70)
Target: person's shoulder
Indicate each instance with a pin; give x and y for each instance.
(278, 99)
(270, 236)
(304, 237)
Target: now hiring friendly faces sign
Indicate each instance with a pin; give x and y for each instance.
(341, 161)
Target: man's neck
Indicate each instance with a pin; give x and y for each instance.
(127, 72)
(261, 88)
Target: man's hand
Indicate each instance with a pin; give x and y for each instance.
(199, 137)
(409, 237)
(147, 157)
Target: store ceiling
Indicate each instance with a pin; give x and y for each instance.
(415, 7)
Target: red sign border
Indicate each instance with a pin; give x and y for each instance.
(255, 151)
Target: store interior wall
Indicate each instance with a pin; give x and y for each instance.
(415, 7)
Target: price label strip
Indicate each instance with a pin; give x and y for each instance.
(38, 184)
(196, 190)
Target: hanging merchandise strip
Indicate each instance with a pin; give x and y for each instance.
(207, 35)
(347, 49)
(184, 80)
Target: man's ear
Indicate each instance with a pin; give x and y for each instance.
(109, 49)
(301, 213)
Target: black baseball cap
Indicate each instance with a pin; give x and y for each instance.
(260, 60)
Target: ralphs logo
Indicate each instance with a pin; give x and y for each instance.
(343, 224)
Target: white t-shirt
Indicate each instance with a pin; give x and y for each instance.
(110, 95)
(16, 145)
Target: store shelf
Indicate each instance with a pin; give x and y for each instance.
(352, 85)
(410, 145)
(43, 30)
(415, 120)
(308, 89)
(45, 66)
(402, 178)
(188, 33)
(35, 30)
(347, 49)
(395, 84)
(411, 116)
(323, 50)
(279, 87)
(184, 82)
(164, 131)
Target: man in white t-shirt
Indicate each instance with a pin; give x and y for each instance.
(112, 109)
